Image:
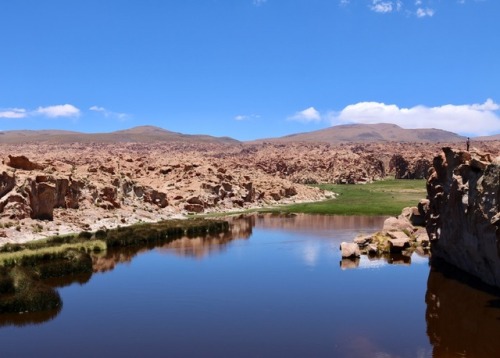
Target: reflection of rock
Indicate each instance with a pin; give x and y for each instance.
(319, 224)
(462, 321)
(351, 263)
(399, 259)
(26, 319)
(240, 228)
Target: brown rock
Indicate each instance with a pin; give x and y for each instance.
(398, 241)
(195, 208)
(7, 183)
(23, 163)
(42, 200)
(349, 250)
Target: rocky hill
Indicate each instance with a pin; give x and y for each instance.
(371, 133)
(142, 134)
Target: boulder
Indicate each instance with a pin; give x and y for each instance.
(397, 224)
(349, 250)
(155, 197)
(398, 241)
(363, 240)
(194, 208)
(23, 163)
(7, 183)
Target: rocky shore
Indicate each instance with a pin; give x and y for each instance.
(50, 189)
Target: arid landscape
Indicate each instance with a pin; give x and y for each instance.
(55, 182)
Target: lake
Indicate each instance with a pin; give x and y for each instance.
(275, 286)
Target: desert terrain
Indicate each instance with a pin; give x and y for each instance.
(54, 182)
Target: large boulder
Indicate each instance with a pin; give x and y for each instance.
(23, 163)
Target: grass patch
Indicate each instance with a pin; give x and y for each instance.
(386, 197)
(30, 257)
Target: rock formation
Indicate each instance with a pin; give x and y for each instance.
(464, 220)
(48, 189)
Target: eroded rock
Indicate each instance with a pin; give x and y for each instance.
(462, 210)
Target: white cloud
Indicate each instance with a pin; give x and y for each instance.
(259, 2)
(97, 109)
(475, 119)
(307, 115)
(244, 117)
(427, 12)
(381, 6)
(62, 110)
(344, 2)
(13, 113)
(107, 113)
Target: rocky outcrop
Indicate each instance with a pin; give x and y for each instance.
(7, 183)
(464, 220)
(23, 163)
(409, 168)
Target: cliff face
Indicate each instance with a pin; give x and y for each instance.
(463, 220)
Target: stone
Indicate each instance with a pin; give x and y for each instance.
(397, 224)
(194, 208)
(372, 249)
(349, 250)
(398, 241)
(23, 163)
(363, 240)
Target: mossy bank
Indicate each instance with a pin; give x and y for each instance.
(24, 268)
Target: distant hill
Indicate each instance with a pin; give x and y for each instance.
(364, 133)
(348, 133)
(488, 138)
(142, 134)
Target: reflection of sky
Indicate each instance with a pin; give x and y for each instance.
(310, 253)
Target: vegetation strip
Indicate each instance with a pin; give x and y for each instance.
(386, 197)
(23, 267)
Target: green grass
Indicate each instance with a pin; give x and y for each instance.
(386, 197)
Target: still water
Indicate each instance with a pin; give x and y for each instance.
(273, 287)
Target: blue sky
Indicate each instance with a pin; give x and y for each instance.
(249, 68)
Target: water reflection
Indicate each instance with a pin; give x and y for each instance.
(462, 319)
(20, 320)
(319, 225)
(197, 247)
(463, 316)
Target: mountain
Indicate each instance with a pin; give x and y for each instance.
(363, 133)
(142, 134)
(348, 133)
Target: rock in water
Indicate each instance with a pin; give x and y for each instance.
(349, 250)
